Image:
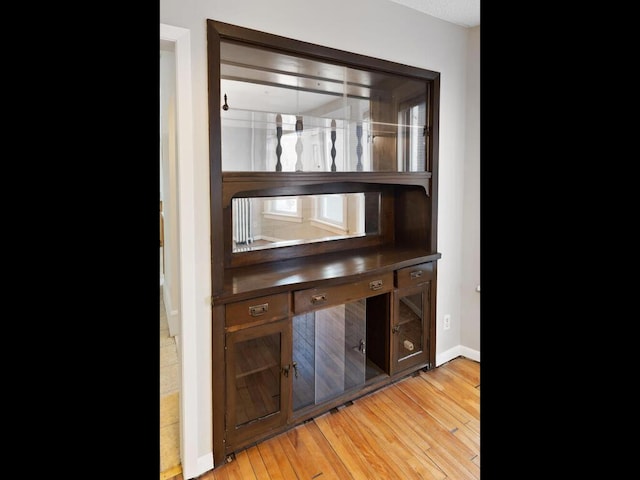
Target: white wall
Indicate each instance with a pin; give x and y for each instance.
(470, 319)
(377, 28)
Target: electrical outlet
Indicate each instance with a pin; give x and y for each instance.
(447, 322)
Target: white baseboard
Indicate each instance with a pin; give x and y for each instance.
(457, 351)
(203, 465)
(470, 353)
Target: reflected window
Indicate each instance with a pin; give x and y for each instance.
(260, 223)
(331, 211)
(330, 208)
(411, 129)
(283, 206)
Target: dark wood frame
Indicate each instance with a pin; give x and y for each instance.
(239, 436)
(421, 357)
(408, 229)
(293, 186)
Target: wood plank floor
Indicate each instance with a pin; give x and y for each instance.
(425, 426)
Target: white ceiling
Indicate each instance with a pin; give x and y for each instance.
(460, 12)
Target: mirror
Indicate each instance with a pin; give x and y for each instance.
(282, 112)
(260, 223)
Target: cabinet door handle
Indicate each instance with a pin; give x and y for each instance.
(395, 329)
(416, 274)
(322, 297)
(375, 285)
(286, 369)
(257, 310)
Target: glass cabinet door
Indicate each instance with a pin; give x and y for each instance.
(257, 377)
(282, 112)
(409, 331)
(329, 352)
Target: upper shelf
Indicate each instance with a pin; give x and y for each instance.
(288, 118)
(284, 112)
(300, 183)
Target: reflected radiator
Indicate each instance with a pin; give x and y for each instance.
(242, 234)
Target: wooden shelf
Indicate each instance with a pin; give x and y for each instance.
(257, 280)
(298, 183)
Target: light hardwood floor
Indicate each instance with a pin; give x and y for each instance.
(169, 397)
(426, 426)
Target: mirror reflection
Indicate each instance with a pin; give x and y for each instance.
(289, 113)
(270, 222)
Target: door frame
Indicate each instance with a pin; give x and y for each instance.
(187, 338)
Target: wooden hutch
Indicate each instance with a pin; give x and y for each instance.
(324, 169)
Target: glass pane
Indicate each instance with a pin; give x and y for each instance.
(257, 378)
(269, 222)
(329, 348)
(288, 113)
(409, 336)
(304, 336)
(338, 365)
(412, 145)
(355, 337)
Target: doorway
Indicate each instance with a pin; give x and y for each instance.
(170, 257)
(170, 464)
(185, 230)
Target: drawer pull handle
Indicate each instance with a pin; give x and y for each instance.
(416, 274)
(322, 297)
(375, 285)
(258, 310)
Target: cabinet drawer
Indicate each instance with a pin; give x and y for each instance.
(314, 298)
(414, 275)
(257, 310)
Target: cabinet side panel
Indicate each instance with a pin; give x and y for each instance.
(218, 382)
(215, 159)
(378, 309)
(412, 217)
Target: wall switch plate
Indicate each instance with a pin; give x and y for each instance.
(447, 322)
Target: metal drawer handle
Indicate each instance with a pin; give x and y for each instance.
(257, 310)
(416, 274)
(322, 297)
(375, 285)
